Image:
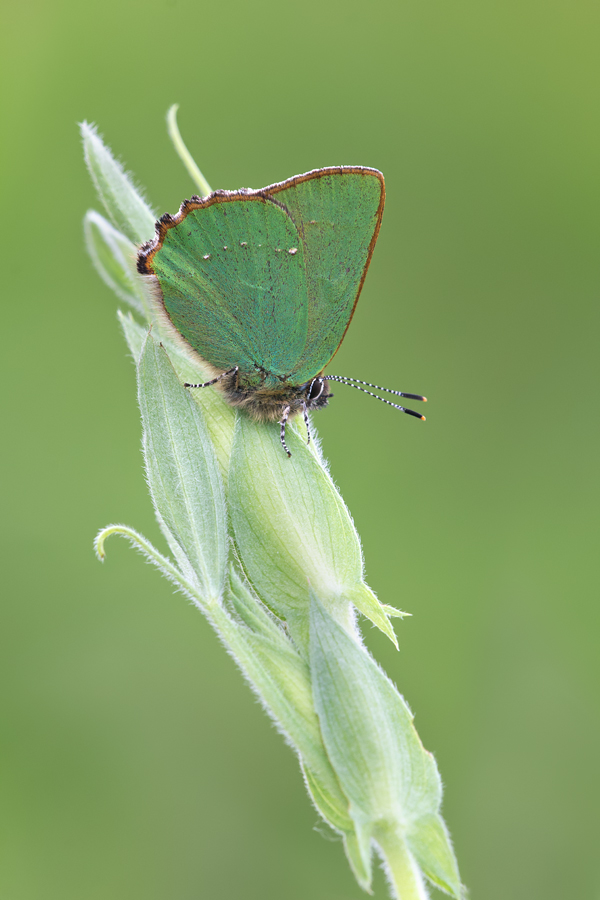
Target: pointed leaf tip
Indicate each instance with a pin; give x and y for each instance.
(367, 603)
(393, 612)
(122, 200)
(113, 256)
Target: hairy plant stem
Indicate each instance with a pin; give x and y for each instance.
(401, 866)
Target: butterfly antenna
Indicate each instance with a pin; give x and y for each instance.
(350, 383)
(345, 380)
(214, 380)
(283, 422)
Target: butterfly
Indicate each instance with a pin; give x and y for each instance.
(260, 286)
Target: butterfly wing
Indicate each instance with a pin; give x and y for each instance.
(338, 213)
(231, 273)
(268, 280)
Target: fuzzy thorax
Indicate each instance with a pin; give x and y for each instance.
(269, 404)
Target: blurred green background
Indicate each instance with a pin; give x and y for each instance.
(135, 762)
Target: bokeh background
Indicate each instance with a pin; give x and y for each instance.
(135, 762)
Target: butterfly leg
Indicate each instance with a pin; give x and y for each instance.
(286, 414)
(306, 422)
(214, 380)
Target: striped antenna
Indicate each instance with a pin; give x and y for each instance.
(355, 383)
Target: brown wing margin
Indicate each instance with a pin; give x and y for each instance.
(167, 221)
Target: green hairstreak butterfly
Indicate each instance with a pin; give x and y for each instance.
(261, 285)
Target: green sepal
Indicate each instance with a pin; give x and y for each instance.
(251, 611)
(367, 603)
(281, 679)
(384, 769)
(293, 531)
(357, 844)
(356, 833)
(219, 416)
(183, 473)
(393, 612)
(391, 781)
(135, 334)
(113, 256)
(122, 201)
(332, 806)
(431, 846)
(277, 672)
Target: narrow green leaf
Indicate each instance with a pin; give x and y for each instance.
(393, 612)
(183, 473)
(113, 256)
(123, 202)
(135, 334)
(357, 838)
(333, 807)
(367, 603)
(219, 416)
(184, 154)
(292, 529)
(143, 545)
(357, 844)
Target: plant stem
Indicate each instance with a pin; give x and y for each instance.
(403, 871)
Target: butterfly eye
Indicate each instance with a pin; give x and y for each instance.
(316, 389)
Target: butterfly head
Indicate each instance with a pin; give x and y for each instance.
(316, 393)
